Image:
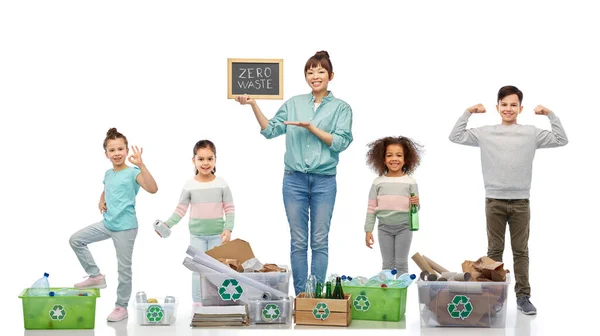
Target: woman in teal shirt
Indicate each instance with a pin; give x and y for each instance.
(318, 128)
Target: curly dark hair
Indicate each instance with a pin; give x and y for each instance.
(377, 149)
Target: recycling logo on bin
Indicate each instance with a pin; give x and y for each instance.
(361, 303)
(321, 311)
(270, 312)
(155, 313)
(230, 290)
(58, 312)
(460, 307)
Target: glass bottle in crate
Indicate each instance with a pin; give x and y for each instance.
(414, 216)
(319, 290)
(328, 294)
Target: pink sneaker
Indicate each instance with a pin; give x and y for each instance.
(92, 282)
(119, 314)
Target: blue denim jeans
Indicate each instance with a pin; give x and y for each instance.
(202, 243)
(304, 196)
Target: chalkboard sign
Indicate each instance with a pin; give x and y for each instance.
(258, 78)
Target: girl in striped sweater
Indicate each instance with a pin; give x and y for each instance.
(208, 198)
(394, 159)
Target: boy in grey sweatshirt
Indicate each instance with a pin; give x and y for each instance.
(507, 152)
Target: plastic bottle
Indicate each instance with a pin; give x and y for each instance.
(403, 281)
(40, 287)
(311, 283)
(390, 274)
(161, 228)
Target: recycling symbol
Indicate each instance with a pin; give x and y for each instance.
(321, 311)
(227, 287)
(361, 303)
(58, 312)
(270, 312)
(155, 313)
(464, 312)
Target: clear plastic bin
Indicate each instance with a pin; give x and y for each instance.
(156, 314)
(218, 289)
(270, 311)
(60, 312)
(463, 304)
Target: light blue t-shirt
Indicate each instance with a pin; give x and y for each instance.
(120, 189)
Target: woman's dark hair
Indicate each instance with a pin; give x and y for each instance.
(319, 58)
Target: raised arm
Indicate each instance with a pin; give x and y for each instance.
(460, 134)
(554, 138)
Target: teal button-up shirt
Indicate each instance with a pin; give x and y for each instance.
(304, 151)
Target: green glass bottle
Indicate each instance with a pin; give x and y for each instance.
(319, 290)
(328, 294)
(338, 294)
(414, 216)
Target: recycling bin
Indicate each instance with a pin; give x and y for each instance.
(463, 304)
(376, 303)
(59, 312)
(270, 311)
(218, 289)
(156, 314)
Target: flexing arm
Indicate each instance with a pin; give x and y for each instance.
(554, 138)
(460, 134)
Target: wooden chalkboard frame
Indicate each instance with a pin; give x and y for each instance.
(230, 62)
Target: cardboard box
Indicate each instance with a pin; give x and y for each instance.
(324, 312)
(236, 249)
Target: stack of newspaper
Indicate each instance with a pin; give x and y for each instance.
(215, 316)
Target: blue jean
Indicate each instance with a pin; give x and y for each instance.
(202, 243)
(307, 195)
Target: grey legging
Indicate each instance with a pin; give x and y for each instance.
(394, 242)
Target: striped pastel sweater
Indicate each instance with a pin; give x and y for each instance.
(389, 201)
(208, 201)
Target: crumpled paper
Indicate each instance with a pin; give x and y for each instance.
(251, 265)
(485, 269)
(233, 263)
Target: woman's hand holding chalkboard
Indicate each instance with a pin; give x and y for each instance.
(476, 109)
(243, 100)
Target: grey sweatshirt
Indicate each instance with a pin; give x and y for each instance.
(507, 153)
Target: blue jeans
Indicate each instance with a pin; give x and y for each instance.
(307, 195)
(202, 243)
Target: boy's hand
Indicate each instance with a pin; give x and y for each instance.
(369, 239)
(541, 110)
(225, 236)
(414, 200)
(476, 109)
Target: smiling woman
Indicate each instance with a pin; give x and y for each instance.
(318, 127)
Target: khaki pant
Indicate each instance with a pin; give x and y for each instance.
(516, 213)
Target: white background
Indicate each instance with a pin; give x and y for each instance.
(70, 70)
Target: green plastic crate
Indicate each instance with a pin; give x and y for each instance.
(376, 303)
(59, 312)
